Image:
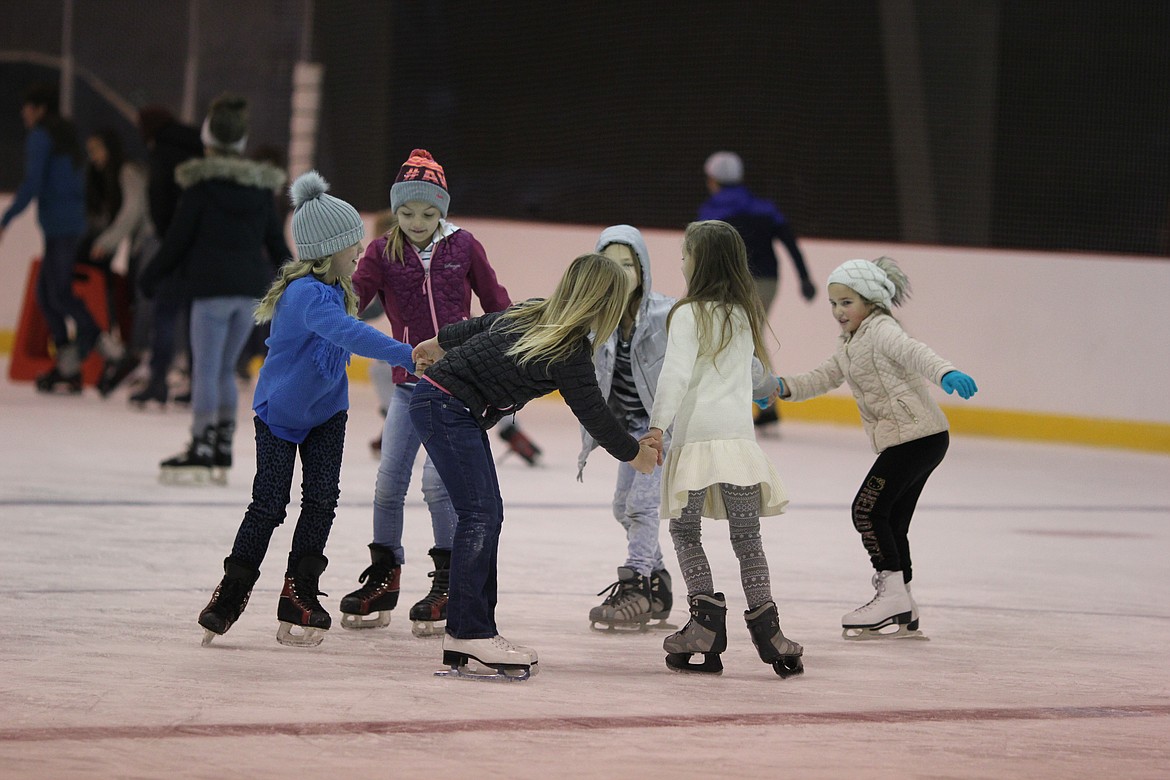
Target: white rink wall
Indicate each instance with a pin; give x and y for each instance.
(1064, 334)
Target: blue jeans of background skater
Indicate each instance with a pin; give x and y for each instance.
(399, 449)
(219, 329)
(635, 505)
(54, 289)
(460, 451)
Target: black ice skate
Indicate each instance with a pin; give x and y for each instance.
(493, 660)
(774, 648)
(228, 600)
(890, 614)
(192, 467)
(705, 632)
(369, 606)
(54, 382)
(221, 459)
(520, 444)
(429, 616)
(303, 621)
(152, 393)
(633, 601)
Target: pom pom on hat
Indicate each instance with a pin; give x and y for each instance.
(421, 179)
(724, 167)
(867, 280)
(321, 223)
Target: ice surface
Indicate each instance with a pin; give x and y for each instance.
(1041, 572)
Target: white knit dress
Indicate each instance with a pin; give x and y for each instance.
(709, 401)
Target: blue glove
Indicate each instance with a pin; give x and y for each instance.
(763, 402)
(958, 382)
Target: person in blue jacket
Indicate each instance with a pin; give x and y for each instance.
(301, 404)
(54, 176)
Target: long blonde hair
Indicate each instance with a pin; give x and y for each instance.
(387, 225)
(295, 269)
(590, 297)
(720, 276)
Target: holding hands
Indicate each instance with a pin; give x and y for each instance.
(426, 354)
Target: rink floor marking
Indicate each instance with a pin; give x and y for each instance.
(583, 723)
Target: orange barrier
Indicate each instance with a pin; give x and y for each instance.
(31, 355)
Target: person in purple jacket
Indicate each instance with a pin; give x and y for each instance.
(423, 272)
(54, 176)
(301, 404)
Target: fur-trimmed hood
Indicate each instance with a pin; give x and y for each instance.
(238, 170)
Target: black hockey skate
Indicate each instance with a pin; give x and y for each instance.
(228, 600)
(429, 616)
(519, 443)
(55, 382)
(633, 601)
(192, 467)
(705, 632)
(774, 648)
(221, 459)
(493, 660)
(369, 606)
(303, 621)
(114, 372)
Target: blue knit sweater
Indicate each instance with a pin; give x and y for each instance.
(303, 382)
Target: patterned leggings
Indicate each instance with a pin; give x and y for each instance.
(320, 489)
(743, 511)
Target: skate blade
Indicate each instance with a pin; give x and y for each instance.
(208, 636)
(681, 662)
(892, 631)
(484, 673)
(299, 636)
(357, 622)
(195, 475)
(789, 667)
(425, 628)
(219, 475)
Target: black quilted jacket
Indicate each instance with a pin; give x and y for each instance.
(477, 371)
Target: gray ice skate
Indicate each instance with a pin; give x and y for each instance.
(705, 632)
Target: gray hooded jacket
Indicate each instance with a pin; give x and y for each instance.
(648, 347)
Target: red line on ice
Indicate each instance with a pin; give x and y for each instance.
(584, 723)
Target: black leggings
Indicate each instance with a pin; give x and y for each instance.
(885, 504)
(320, 489)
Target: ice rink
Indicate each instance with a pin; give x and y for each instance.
(1041, 572)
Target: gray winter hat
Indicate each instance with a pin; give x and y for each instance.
(724, 167)
(321, 223)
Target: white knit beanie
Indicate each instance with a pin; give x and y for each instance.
(321, 223)
(867, 280)
(724, 167)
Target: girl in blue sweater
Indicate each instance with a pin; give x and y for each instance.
(301, 404)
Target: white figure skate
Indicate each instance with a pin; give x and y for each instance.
(888, 615)
(494, 659)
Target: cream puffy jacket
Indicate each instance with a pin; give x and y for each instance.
(885, 369)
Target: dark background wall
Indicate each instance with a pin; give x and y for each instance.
(1004, 124)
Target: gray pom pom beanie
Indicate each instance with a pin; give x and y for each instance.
(321, 223)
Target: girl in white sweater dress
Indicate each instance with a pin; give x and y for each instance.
(715, 468)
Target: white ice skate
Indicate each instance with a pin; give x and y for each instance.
(887, 616)
(494, 659)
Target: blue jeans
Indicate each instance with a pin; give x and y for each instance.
(460, 451)
(55, 294)
(400, 446)
(219, 329)
(635, 505)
